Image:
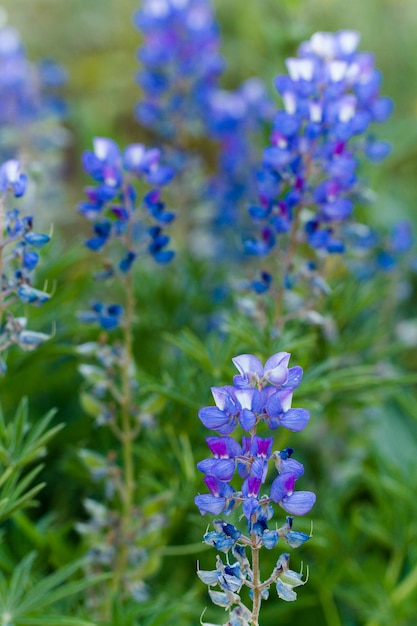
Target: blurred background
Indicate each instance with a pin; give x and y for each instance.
(360, 451)
(95, 41)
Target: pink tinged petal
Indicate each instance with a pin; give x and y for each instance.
(224, 447)
(210, 504)
(219, 468)
(295, 419)
(262, 446)
(282, 487)
(151, 158)
(299, 503)
(276, 368)
(251, 486)
(218, 488)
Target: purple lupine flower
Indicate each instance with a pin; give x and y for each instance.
(244, 405)
(29, 94)
(296, 503)
(118, 213)
(308, 179)
(19, 256)
(12, 178)
(180, 60)
(260, 392)
(108, 317)
(232, 118)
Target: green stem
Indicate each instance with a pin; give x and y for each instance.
(126, 426)
(257, 589)
(127, 434)
(278, 319)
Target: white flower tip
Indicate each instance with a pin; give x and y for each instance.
(347, 109)
(337, 70)
(300, 69)
(12, 170)
(348, 41)
(324, 45)
(101, 147)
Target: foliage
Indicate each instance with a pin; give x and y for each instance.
(63, 489)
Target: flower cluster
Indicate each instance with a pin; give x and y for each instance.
(308, 180)
(118, 214)
(18, 259)
(28, 93)
(181, 63)
(260, 397)
(375, 252)
(232, 120)
(182, 100)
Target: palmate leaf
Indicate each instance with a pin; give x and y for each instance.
(21, 598)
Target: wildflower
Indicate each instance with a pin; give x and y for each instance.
(260, 393)
(308, 180)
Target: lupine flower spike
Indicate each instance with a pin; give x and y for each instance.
(236, 476)
(308, 182)
(19, 256)
(128, 218)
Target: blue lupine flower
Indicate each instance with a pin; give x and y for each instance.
(29, 294)
(156, 248)
(252, 373)
(38, 240)
(104, 163)
(28, 92)
(181, 62)
(258, 390)
(331, 97)
(294, 538)
(111, 207)
(296, 503)
(246, 405)
(108, 317)
(12, 178)
(19, 260)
